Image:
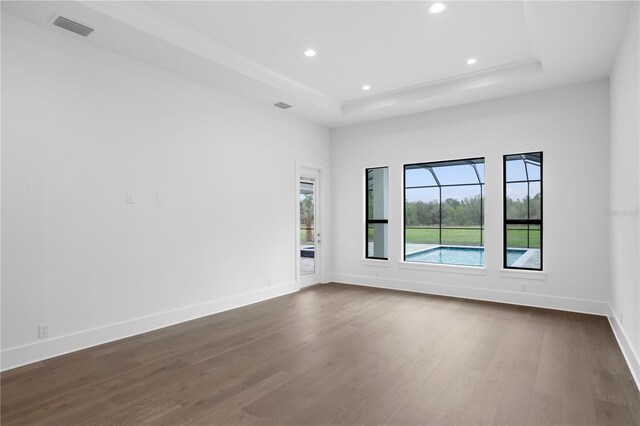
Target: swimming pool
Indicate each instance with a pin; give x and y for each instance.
(467, 256)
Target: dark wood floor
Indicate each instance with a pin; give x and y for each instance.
(337, 354)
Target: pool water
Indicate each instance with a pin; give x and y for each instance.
(467, 256)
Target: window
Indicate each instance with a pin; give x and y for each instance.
(523, 211)
(377, 214)
(443, 212)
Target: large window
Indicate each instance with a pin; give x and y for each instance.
(377, 213)
(523, 211)
(443, 212)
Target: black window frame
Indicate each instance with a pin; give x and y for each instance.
(527, 221)
(481, 183)
(368, 221)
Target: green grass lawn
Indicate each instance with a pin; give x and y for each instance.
(516, 236)
(430, 235)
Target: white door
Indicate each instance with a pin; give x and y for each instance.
(308, 230)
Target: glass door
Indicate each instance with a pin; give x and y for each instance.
(307, 227)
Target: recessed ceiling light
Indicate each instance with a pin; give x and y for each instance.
(366, 87)
(471, 61)
(437, 7)
(310, 53)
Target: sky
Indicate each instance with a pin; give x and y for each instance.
(466, 174)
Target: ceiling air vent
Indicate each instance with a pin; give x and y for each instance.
(282, 105)
(73, 26)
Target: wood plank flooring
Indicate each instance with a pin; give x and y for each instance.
(341, 355)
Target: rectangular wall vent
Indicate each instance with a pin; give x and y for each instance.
(282, 105)
(73, 26)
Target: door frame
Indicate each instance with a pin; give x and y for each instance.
(316, 171)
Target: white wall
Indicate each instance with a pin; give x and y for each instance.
(81, 127)
(570, 125)
(624, 198)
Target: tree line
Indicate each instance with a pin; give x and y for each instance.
(465, 212)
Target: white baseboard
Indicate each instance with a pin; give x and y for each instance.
(44, 349)
(630, 355)
(475, 293)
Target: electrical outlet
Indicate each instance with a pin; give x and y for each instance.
(523, 287)
(43, 331)
(129, 198)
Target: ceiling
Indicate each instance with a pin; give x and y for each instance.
(413, 60)
(390, 45)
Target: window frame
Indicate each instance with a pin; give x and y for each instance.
(528, 221)
(368, 221)
(481, 183)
